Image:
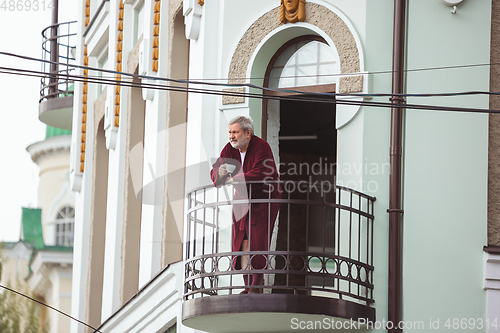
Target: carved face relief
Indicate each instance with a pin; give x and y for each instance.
(292, 11)
(292, 5)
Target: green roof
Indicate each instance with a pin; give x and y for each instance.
(32, 227)
(54, 131)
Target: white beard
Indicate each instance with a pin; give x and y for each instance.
(239, 144)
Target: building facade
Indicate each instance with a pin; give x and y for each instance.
(160, 81)
(42, 260)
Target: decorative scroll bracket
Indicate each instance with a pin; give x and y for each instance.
(192, 18)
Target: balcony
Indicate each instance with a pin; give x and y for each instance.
(319, 263)
(56, 90)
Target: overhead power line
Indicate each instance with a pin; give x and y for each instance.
(206, 81)
(48, 306)
(234, 85)
(300, 96)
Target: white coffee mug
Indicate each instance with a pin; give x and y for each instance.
(230, 168)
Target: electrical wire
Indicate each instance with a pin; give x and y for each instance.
(249, 85)
(344, 74)
(48, 306)
(301, 96)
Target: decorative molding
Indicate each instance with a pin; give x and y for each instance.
(491, 284)
(97, 33)
(18, 250)
(298, 14)
(83, 131)
(87, 13)
(54, 145)
(192, 11)
(113, 102)
(119, 47)
(491, 271)
(84, 92)
(156, 36)
(65, 197)
(41, 266)
(46, 257)
(76, 173)
(317, 15)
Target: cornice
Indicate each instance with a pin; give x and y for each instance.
(49, 146)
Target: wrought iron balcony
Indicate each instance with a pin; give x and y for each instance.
(56, 90)
(319, 263)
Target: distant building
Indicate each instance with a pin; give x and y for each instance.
(43, 257)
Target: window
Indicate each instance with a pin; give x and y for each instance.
(306, 63)
(64, 226)
(138, 21)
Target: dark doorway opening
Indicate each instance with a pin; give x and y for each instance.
(307, 154)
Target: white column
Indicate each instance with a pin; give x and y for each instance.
(116, 175)
(154, 154)
(83, 219)
(153, 188)
(492, 287)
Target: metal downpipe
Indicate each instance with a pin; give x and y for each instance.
(395, 183)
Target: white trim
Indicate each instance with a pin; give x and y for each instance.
(148, 93)
(491, 283)
(64, 198)
(44, 257)
(192, 12)
(20, 250)
(491, 271)
(116, 142)
(97, 37)
(56, 144)
(154, 308)
(41, 264)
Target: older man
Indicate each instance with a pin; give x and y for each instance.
(254, 161)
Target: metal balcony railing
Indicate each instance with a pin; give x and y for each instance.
(59, 48)
(321, 245)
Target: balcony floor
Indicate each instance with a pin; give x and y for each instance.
(267, 312)
(57, 112)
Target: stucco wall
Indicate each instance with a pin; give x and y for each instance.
(317, 15)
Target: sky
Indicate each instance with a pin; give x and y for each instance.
(20, 33)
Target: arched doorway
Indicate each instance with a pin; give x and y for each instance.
(301, 129)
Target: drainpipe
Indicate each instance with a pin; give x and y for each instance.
(395, 211)
(54, 50)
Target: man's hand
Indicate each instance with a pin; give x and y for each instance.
(222, 170)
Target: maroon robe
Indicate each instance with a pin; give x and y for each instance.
(258, 165)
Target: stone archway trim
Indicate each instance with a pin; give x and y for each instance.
(317, 15)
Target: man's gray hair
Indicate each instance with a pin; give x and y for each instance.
(245, 123)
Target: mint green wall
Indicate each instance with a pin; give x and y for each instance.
(376, 139)
(445, 154)
(445, 159)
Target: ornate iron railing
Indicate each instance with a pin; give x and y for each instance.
(58, 53)
(322, 243)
